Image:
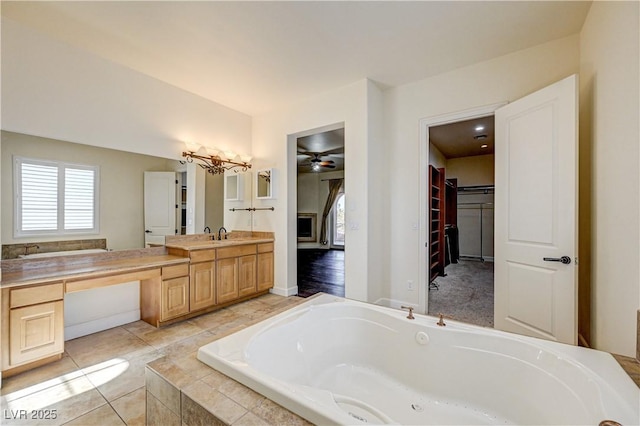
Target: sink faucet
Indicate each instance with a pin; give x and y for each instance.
(222, 228)
(207, 230)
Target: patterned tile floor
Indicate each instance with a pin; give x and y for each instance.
(100, 379)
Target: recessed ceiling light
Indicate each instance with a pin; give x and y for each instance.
(484, 146)
(479, 128)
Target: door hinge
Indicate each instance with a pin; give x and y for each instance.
(176, 206)
(176, 181)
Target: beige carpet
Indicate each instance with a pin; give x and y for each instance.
(465, 294)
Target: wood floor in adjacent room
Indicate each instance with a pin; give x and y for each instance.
(320, 271)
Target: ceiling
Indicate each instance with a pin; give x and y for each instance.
(256, 56)
(328, 147)
(464, 138)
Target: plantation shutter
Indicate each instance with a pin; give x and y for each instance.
(55, 198)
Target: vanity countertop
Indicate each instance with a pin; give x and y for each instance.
(20, 273)
(209, 244)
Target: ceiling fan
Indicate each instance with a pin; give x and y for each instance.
(316, 162)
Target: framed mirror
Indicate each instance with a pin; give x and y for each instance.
(233, 187)
(265, 179)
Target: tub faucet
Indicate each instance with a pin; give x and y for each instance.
(441, 321)
(410, 308)
(222, 228)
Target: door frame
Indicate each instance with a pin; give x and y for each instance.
(423, 247)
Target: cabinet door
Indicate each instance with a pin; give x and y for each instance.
(265, 271)
(227, 279)
(175, 298)
(36, 332)
(247, 275)
(202, 291)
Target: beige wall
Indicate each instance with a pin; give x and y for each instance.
(436, 158)
(121, 186)
(609, 67)
(476, 170)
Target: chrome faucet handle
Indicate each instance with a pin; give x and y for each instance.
(410, 308)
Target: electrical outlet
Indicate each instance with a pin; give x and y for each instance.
(410, 285)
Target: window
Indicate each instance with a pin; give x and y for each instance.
(338, 221)
(54, 198)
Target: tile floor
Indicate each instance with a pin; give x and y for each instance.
(100, 379)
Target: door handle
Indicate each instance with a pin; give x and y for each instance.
(147, 231)
(564, 259)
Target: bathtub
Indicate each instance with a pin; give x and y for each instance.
(333, 360)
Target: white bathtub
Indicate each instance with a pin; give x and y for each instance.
(331, 360)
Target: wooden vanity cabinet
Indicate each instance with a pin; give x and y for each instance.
(202, 275)
(32, 325)
(236, 276)
(264, 267)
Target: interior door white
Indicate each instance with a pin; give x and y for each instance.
(536, 214)
(159, 206)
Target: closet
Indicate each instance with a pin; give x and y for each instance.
(475, 222)
(437, 216)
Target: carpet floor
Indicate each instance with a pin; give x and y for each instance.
(465, 294)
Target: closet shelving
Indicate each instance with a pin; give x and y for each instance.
(437, 213)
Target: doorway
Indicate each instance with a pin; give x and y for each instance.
(458, 215)
(320, 208)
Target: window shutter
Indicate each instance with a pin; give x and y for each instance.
(39, 197)
(79, 187)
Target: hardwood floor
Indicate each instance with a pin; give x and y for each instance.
(320, 270)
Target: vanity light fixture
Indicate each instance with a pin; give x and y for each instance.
(216, 161)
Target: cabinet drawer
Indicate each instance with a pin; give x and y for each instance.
(265, 247)
(236, 251)
(33, 295)
(175, 271)
(202, 255)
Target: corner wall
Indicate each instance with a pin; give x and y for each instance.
(610, 129)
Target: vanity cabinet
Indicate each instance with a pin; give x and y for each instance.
(236, 275)
(32, 324)
(202, 279)
(264, 267)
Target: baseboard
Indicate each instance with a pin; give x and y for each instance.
(286, 292)
(100, 324)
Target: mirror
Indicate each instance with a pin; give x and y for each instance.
(265, 184)
(122, 191)
(233, 187)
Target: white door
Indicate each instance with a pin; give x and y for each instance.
(536, 214)
(159, 206)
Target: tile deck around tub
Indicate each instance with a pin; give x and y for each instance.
(136, 374)
(101, 377)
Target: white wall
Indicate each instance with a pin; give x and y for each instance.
(274, 145)
(502, 79)
(59, 91)
(609, 67)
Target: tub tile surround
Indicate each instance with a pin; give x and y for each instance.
(103, 378)
(13, 251)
